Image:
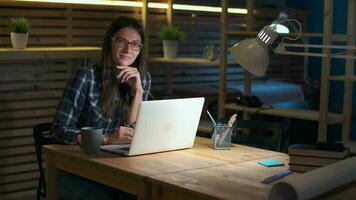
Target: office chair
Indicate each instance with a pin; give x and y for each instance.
(42, 136)
(262, 134)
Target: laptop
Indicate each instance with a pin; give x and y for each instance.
(163, 125)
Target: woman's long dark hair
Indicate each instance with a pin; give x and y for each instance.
(111, 88)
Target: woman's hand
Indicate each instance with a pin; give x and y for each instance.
(121, 134)
(131, 76)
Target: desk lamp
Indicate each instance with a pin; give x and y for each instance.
(253, 54)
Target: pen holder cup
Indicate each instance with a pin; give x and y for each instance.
(222, 136)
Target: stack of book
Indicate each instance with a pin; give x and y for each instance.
(304, 157)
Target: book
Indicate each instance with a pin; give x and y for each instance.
(270, 163)
(311, 150)
(302, 168)
(312, 161)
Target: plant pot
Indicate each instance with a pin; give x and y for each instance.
(19, 40)
(170, 48)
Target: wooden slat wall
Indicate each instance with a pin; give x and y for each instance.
(202, 29)
(30, 90)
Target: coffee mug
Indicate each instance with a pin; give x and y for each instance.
(91, 139)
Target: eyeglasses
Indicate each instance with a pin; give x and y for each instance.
(122, 43)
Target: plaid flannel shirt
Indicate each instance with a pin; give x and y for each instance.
(80, 106)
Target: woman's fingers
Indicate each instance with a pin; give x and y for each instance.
(126, 78)
(123, 71)
(122, 134)
(128, 69)
(127, 135)
(127, 73)
(123, 68)
(126, 132)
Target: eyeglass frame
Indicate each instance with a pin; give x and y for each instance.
(126, 43)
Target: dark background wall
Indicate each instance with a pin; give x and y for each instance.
(315, 24)
(314, 20)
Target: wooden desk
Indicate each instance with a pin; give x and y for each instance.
(131, 173)
(241, 180)
(232, 181)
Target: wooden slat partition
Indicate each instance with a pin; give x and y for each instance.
(31, 88)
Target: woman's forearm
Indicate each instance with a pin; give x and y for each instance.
(135, 106)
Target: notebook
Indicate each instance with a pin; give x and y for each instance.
(163, 125)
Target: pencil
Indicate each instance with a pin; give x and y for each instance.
(230, 123)
(232, 119)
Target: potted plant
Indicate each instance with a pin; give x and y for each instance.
(19, 32)
(170, 37)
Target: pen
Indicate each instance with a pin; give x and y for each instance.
(211, 117)
(277, 176)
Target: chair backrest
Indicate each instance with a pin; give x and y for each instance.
(261, 134)
(41, 136)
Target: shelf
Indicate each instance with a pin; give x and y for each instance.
(31, 53)
(343, 78)
(184, 60)
(287, 112)
(253, 33)
(335, 37)
(242, 33)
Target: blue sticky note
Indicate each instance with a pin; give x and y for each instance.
(270, 163)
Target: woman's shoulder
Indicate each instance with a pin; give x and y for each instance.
(85, 72)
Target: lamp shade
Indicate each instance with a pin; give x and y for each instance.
(252, 56)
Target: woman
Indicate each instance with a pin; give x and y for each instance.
(107, 95)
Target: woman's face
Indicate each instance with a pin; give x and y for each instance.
(126, 44)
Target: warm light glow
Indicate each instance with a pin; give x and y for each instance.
(158, 5)
(208, 8)
(92, 2)
(196, 8)
(237, 10)
(140, 4)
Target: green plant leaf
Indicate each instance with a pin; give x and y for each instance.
(19, 25)
(170, 33)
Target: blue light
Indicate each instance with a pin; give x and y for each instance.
(279, 28)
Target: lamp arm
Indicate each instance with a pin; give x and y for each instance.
(321, 46)
(280, 49)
